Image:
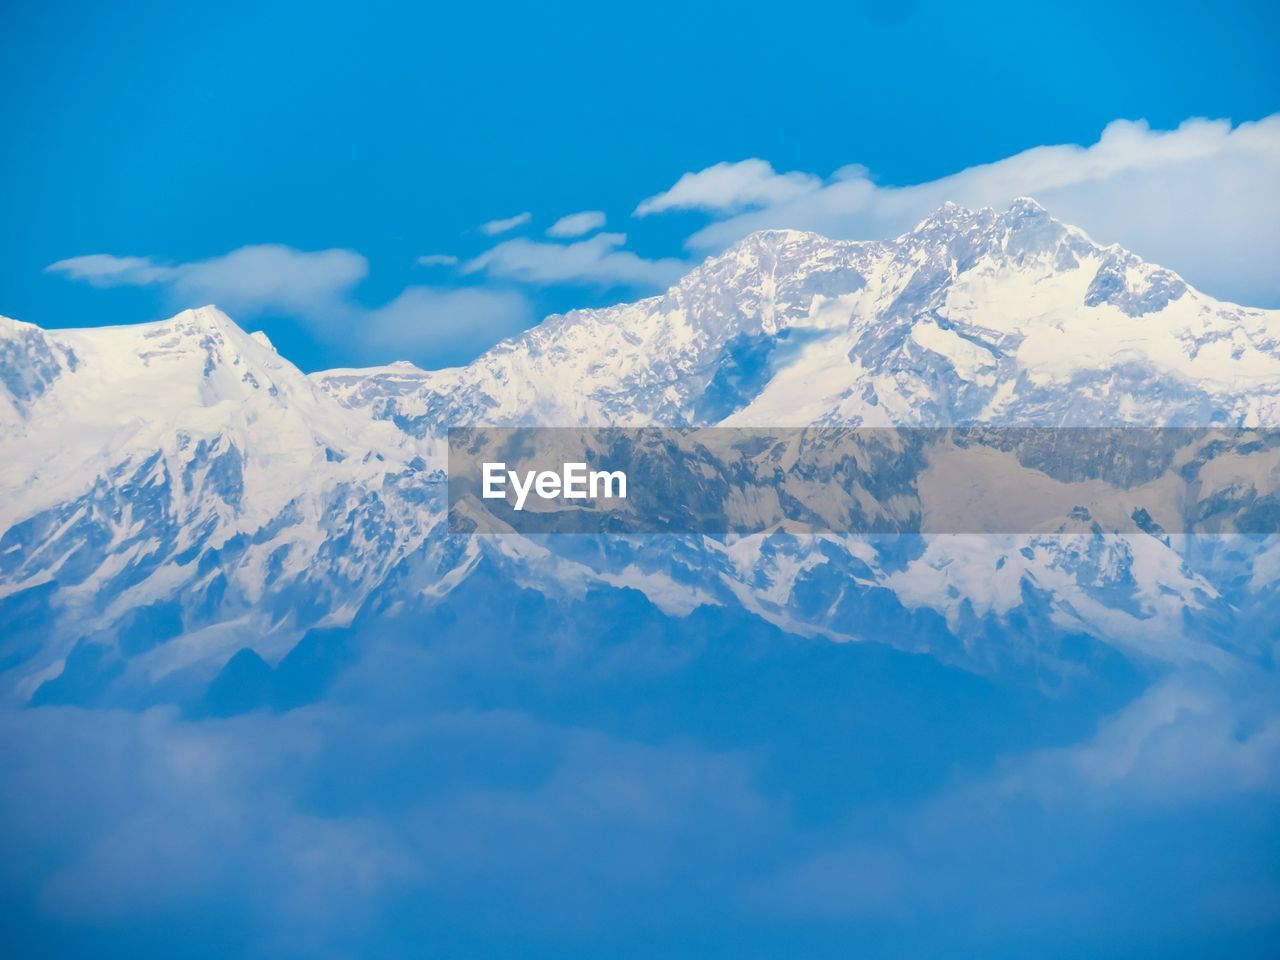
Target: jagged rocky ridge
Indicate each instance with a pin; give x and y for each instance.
(174, 493)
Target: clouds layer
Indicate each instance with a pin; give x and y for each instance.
(577, 224)
(451, 325)
(502, 791)
(437, 260)
(495, 227)
(1203, 199)
(599, 261)
(440, 325)
(262, 277)
(728, 187)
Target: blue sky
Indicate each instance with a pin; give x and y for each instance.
(182, 133)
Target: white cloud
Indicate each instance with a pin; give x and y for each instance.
(576, 224)
(495, 227)
(438, 260)
(432, 324)
(252, 279)
(1203, 199)
(1188, 736)
(453, 325)
(272, 277)
(594, 261)
(105, 270)
(729, 187)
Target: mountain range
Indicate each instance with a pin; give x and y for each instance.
(181, 504)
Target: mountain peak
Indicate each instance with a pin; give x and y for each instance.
(783, 235)
(1022, 232)
(1026, 205)
(775, 239)
(952, 214)
(206, 318)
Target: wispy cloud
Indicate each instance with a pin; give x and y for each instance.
(105, 270)
(1188, 745)
(452, 325)
(957, 798)
(495, 227)
(729, 187)
(598, 260)
(431, 324)
(577, 224)
(259, 278)
(1203, 199)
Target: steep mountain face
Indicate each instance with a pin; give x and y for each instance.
(175, 492)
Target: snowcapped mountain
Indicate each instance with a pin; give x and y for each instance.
(182, 478)
(980, 316)
(175, 492)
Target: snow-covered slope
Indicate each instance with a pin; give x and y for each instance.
(1007, 317)
(186, 469)
(172, 492)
